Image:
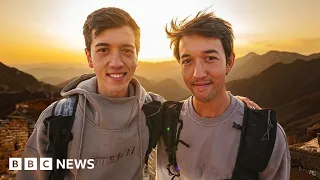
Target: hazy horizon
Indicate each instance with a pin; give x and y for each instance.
(84, 62)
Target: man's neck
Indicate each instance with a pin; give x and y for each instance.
(107, 93)
(213, 108)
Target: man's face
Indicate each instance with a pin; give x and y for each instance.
(203, 66)
(114, 59)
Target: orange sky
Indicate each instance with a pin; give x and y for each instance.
(51, 31)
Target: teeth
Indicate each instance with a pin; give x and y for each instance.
(116, 75)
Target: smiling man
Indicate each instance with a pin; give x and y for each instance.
(216, 136)
(107, 123)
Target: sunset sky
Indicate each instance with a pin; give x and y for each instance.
(38, 31)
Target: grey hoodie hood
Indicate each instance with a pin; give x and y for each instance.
(119, 111)
(88, 84)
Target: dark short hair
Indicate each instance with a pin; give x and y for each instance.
(204, 24)
(106, 18)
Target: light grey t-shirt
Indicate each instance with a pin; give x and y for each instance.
(214, 147)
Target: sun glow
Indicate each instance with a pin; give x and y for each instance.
(38, 30)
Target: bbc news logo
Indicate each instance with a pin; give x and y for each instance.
(46, 164)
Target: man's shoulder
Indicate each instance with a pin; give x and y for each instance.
(240, 104)
(45, 113)
(280, 151)
(281, 140)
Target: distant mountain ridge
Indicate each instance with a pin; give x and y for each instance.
(17, 86)
(52, 80)
(253, 64)
(244, 67)
(61, 73)
(167, 88)
(12, 79)
(160, 71)
(65, 83)
(284, 82)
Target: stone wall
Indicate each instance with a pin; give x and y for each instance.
(306, 155)
(305, 159)
(152, 165)
(292, 139)
(13, 138)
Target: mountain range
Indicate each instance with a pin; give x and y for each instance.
(12, 79)
(167, 88)
(244, 67)
(287, 82)
(253, 64)
(292, 89)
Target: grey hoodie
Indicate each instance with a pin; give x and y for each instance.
(214, 147)
(112, 131)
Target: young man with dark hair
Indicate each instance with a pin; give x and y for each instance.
(109, 124)
(217, 137)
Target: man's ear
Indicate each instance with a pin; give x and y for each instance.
(230, 63)
(88, 55)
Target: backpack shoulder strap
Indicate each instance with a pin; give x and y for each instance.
(66, 106)
(258, 134)
(171, 134)
(152, 111)
(58, 128)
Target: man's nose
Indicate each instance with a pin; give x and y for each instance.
(116, 60)
(199, 69)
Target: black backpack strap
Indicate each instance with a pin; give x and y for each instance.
(258, 134)
(152, 111)
(58, 129)
(171, 133)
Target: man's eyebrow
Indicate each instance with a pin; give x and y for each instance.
(184, 56)
(107, 44)
(205, 52)
(128, 45)
(102, 44)
(210, 51)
